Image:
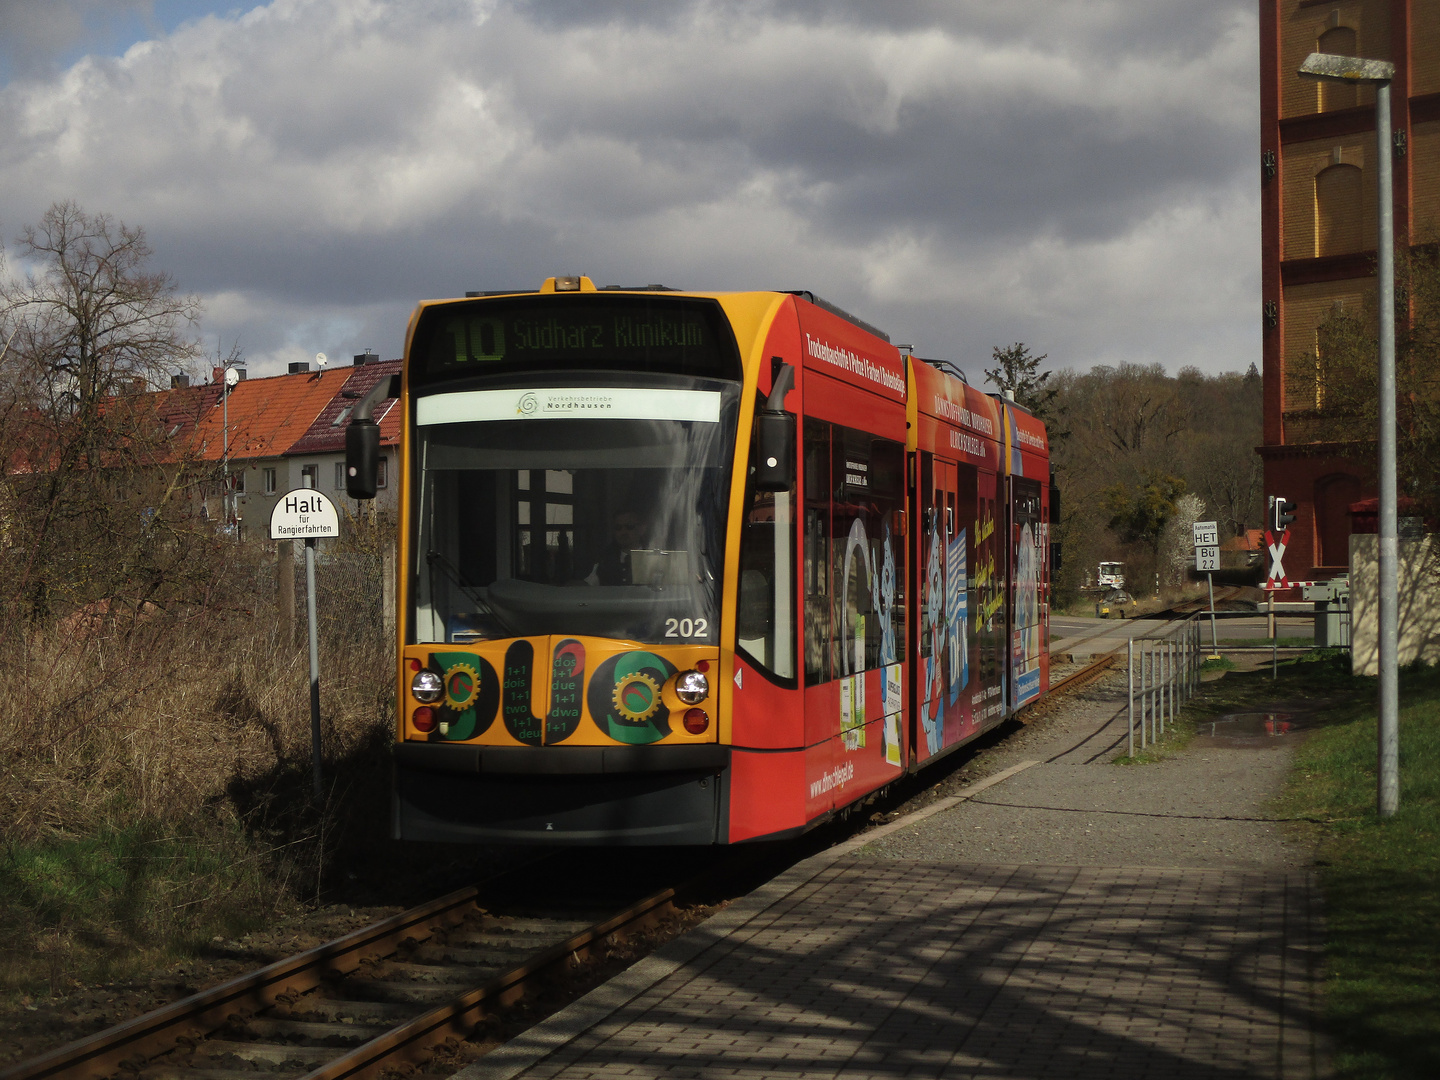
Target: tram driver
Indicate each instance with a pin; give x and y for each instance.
(629, 532)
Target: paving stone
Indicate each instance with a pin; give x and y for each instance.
(1040, 980)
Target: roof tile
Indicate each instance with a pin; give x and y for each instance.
(326, 435)
(265, 417)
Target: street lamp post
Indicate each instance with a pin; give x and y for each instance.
(232, 378)
(1379, 73)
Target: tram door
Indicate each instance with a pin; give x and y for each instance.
(1029, 587)
(989, 617)
(855, 601)
(943, 661)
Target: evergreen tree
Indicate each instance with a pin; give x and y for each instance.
(1017, 375)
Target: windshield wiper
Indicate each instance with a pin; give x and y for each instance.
(433, 558)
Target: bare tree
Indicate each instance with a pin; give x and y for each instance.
(91, 318)
(89, 326)
(1132, 424)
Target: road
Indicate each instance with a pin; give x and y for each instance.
(1095, 637)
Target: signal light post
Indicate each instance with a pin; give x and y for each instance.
(1277, 537)
(1379, 73)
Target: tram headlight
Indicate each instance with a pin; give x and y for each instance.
(427, 687)
(692, 687)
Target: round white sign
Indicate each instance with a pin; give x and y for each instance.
(303, 513)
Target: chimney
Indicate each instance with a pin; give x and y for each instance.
(367, 357)
(179, 382)
(299, 367)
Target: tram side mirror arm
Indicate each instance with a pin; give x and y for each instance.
(362, 441)
(774, 456)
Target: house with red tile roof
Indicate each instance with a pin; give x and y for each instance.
(274, 434)
(288, 431)
(320, 451)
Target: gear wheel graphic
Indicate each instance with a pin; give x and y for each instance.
(462, 686)
(637, 697)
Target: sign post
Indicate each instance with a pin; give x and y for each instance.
(1207, 558)
(306, 514)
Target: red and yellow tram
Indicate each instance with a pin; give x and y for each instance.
(694, 568)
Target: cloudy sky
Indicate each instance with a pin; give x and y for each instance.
(1079, 175)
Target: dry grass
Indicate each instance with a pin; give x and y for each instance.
(155, 767)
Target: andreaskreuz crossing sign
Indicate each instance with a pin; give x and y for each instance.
(1275, 545)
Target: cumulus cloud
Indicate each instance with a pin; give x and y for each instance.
(1076, 175)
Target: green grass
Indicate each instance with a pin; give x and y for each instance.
(1382, 882)
(83, 910)
(1217, 663)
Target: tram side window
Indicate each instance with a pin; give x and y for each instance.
(818, 639)
(765, 616)
(854, 560)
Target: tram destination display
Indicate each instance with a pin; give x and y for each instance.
(638, 333)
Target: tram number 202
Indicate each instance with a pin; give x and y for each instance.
(687, 627)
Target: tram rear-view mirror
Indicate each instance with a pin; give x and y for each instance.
(774, 451)
(362, 458)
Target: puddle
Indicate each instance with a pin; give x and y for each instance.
(1254, 728)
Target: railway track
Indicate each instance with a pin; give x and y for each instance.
(1086, 675)
(1227, 598)
(384, 996)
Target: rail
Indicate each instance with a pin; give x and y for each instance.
(1084, 676)
(136, 1045)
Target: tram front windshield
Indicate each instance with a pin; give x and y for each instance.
(601, 527)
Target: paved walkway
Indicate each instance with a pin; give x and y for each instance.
(880, 959)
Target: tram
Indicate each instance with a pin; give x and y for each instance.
(694, 568)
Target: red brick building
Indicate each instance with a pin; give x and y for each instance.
(1318, 226)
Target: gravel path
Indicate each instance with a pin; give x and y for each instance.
(1203, 807)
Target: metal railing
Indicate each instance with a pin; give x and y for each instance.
(1167, 664)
